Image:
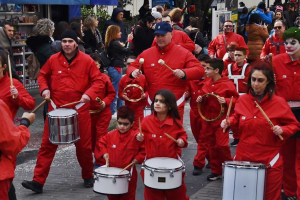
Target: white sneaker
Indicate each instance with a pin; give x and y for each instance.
(114, 116)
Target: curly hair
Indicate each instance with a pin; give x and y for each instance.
(111, 34)
(44, 27)
(89, 23)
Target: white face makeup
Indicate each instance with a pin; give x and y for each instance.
(292, 46)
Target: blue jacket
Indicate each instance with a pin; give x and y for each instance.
(265, 17)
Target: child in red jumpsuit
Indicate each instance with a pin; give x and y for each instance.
(121, 148)
(165, 119)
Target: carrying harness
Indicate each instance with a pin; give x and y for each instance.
(237, 77)
(276, 44)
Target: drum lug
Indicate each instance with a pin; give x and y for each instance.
(152, 173)
(114, 180)
(129, 179)
(172, 173)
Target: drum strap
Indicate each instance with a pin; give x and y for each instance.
(178, 102)
(274, 160)
(53, 105)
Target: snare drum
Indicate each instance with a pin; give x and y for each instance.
(63, 126)
(243, 180)
(147, 111)
(110, 181)
(163, 173)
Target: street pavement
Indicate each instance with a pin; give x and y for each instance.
(65, 182)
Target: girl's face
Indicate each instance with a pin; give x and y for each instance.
(259, 82)
(119, 35)
(278, 15)
(96, 23)
(160, 105)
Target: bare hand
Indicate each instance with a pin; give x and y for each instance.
(85, 98)
(189, 28)
(180, 142)
(140, 137)
(187, 94)
(143, 95)
(277, 130)
(222, 100)
(29, 116)
(199, 99)
(103, 104)
(225, 124)
(106, 156)
(135, 161)
(14, 92)
(136, 73)
(179, 73)
(130, 36)
(46, 93)
(198, 49)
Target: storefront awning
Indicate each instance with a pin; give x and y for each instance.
(64, 2)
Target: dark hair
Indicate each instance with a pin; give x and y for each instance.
(75, 19)
(203, 57)
(159, 9)
(75, 26)
(232, 46)
(242, 49)
(167, 6)
(245, 10)
(125, 112)
(194, 22)
(5, 22)
(59, 29)
(254, 18)
(216, 63)
(176, 15)
(3, 60)
(266, 69)
(148, 18)
(170, 102)
(95, 57)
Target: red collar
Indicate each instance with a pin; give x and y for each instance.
(167, 48)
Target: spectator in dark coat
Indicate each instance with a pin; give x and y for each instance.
(91, 35)
(116, 19)
(144, 9)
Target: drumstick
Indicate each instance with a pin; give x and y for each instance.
(106, 162)
(127, 167)
(140, 126)
(228, 112)
(10, 74)
(267, 118)
(162, 62)
(141, 61)
(271, 60)
(41, 104)
(68, 104)
(169, 136)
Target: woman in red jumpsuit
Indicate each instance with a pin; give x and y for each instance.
(165, 119)
(259, 142)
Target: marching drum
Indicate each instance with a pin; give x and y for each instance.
(163, 173)
(243, 180)
(110, 181)
(63, 126)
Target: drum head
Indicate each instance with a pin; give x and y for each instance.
(111, 171)
(163, 163)
(246, 164)
(210, 108)
(62, 112)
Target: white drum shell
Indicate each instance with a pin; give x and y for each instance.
(240, 182)
(147, 111)
(163, 179)
(109, 184)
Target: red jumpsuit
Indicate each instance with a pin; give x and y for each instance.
(122, 149)
(181, 39)
(227, 61)
(23, 100)
(212, 138)
(134, 93)
(13, 139)
(287, 86)
(272, 48)
(159, 77)
(157, 144)
(217, 46)
(67, 83)
(258, 143)
(100, 120)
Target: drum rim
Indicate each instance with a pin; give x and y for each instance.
(61, 117)
(134, 85)
(97, 174)
(251, 165)
(108, 193)
(222, 105)
(71, 142)
(163, 170)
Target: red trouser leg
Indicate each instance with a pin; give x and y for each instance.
(298, 166)
(195, 121)
(273, 181)
(288, 152)
(4, 188)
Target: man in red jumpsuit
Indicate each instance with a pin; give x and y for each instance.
(121, 148)
(275, 43)
(183, 63)
(68, 76)
(218, 45)
(286, 70)
(13, 139)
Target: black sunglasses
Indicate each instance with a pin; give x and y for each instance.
(277, 27)
(228, 26)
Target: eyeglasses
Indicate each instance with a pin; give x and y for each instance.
(260, 80)
(228, 26)
(277, 27)
(122, 123)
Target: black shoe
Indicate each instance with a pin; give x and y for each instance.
(213, 177)
(33, 185)
(234, 143)
(88, 182)
(207, 166)
(288, 198)
(197, 171)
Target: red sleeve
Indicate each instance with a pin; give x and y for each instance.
(140, 157)
(193, 68)
(134, 65)
(234, 120)
(235, 95)
(102, 146)
(266, 49)
(242, 43)
(187, 42)
(44, 76)
(24, 100)
(182, 135)
(96, 82)
(212, 47)
(110, 93)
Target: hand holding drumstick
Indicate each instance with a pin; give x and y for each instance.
(228, 112)
(179, 141)
(140, 135)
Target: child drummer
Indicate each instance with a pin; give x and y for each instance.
(121, 148)
(165, 119)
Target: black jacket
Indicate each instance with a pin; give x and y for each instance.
(117, 53)
(89, 40)
(40, 45)
(142, 38)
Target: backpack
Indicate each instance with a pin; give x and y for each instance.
(33, 66)
(105, 59)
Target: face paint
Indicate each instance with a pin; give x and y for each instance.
(292, 46)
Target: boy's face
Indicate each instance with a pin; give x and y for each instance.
(123, 125)
(210, 71)
(98, 64)
(204, 66)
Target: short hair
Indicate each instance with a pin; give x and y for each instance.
(148, 18)
(242, 49)
(176, 14)
(164, 16)
(216, 63)
(232, 46)
(43, 27)
(159, 9)
(125, 112)
(254, 19)
(228, 21)
(3, 59)
(5, 22)
(245, 10)
(95, 57)
(280, 20)
(203, 57)
(167, 6)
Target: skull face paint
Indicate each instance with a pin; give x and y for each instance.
(292, 46)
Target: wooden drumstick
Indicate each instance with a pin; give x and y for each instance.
(169, 136)
(162, 62)
(141, 61)
(68, 104)
(106, 162)
(10, 74)
(271, 60)
(127, 167)
(267, 118)
(41, 104)
(228, 112)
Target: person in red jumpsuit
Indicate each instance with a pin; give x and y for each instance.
(121, 148)
(14, 96)
(183, 63)
(64, 79)
(13, 139)
(286, 70)
(218, 45)
(212, 139)
(275, 43)
(165, 119)
(180, 38)
(230, 54)
(259, 142)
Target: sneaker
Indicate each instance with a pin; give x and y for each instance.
(213, 177)
(88, 182)
(197, 171)
(288, 198)
(33, 185)
(234, 143)
(114, 116)
(208, 166)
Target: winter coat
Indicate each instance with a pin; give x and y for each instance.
(256, 36)
(142, 38)
(117, 53)
(89, 40)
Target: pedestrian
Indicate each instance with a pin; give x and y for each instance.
(60, 27)
(76, 27)
(264, 13)
(121, 148)
(91, 35)
(177, 19)
(196, 36)
(165, 119)
(259, 141)
(65, 80)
